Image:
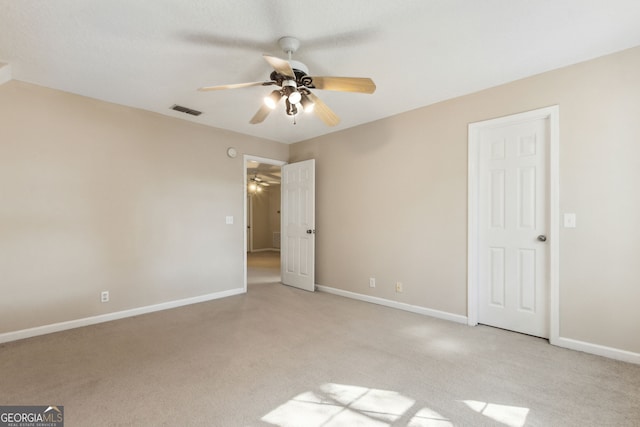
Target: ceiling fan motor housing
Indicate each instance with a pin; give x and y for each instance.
(299, 66)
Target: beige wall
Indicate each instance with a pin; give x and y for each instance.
(260, 225)
(392, 198)
(274, 208)
(96, 196)
(266, 217)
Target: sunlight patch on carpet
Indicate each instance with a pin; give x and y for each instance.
(339, 404)
(512, 416)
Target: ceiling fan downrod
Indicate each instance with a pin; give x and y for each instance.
(289, 45)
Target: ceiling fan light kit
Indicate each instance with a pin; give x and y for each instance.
(295, 86)
(307, 104)
(272, 99)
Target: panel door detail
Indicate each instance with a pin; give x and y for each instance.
(298, 225)
(513, 203)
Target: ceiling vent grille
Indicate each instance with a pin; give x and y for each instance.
(186, 110)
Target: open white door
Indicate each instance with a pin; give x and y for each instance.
(298, 233)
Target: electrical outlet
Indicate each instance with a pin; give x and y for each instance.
(372, 282)
(104, 296)
(398, 286)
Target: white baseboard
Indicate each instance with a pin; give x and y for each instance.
(599, 350)
(71, 324)
(395, 304)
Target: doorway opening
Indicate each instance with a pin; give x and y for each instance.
(262, 220)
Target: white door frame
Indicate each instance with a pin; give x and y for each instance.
(249, 227)
(551, 113)
(248, 158)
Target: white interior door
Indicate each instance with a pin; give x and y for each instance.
(513, 223)
(298, 225)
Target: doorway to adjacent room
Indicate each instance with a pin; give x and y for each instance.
(263, 179)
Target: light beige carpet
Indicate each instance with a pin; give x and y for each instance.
(263, 267)
(286, 357)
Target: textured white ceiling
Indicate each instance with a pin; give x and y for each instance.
(151, 54)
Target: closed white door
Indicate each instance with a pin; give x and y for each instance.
(298, 225)
(513, 222)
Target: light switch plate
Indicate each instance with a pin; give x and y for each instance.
(229, 220)
(569, 220)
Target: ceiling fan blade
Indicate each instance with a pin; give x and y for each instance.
(282, 66)
(325, 113)
(235, 86)
(260, 115)
(345, 84)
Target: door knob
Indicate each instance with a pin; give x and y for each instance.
(542, 238)
(311, 231)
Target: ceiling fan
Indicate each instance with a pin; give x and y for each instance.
(256, 183)
(294, 85)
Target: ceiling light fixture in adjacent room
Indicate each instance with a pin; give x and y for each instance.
(256, 185)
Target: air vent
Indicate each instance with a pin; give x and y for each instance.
(186, 110)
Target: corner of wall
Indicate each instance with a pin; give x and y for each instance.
(5, 73)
